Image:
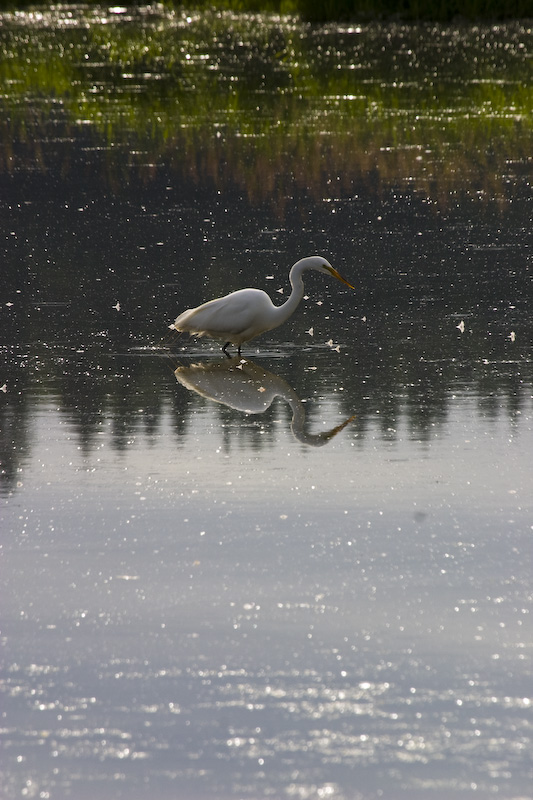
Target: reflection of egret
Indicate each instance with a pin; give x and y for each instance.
(247, 387)
(243, 315)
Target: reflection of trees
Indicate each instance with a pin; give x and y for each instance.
(15, 414)
(271, 107)
(395, 386)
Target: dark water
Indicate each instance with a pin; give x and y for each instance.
(306, 574)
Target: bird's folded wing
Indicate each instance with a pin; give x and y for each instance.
(234, 313)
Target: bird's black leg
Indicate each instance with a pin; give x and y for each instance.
(239, 350)
(224, 349)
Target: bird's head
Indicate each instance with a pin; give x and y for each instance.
(321, 264)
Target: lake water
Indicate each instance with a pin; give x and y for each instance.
(305, 573)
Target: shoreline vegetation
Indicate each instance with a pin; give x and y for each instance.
(320, 11)
(268, 105)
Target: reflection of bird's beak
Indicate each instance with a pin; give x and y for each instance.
(340, 278)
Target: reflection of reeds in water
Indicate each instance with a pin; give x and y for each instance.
(329, 168)
(271, 107)
(276, 169)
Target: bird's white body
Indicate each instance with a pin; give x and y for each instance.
(236, 318)
(245, 314)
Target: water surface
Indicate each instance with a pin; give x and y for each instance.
(306, 573)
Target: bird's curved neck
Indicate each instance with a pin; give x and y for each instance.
(284, 311)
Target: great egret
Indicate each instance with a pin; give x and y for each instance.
(243, 315)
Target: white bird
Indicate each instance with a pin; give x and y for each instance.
(243, 315)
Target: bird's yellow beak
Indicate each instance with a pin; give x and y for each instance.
(340, 278)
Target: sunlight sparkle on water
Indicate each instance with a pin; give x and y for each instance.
(306, 569)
